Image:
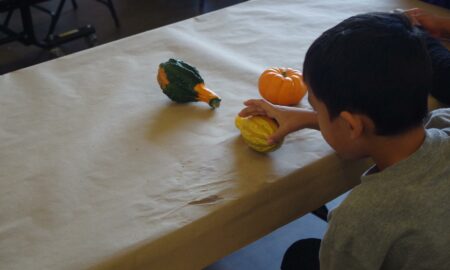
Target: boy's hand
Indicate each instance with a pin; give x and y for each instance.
(289, 118)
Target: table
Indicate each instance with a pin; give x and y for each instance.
(99, 170)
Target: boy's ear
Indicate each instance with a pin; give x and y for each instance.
(354, 122)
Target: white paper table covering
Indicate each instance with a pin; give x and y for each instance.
(98, 169)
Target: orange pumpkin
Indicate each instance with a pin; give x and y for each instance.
(282, 86)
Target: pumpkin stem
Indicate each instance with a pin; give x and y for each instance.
(284, 73)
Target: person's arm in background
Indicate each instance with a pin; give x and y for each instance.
(438, 28)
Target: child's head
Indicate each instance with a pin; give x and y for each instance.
(374, 65)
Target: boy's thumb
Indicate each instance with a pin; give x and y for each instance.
(278, 136)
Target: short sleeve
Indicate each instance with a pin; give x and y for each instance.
(439, 119)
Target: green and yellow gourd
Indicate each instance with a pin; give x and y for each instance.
(182, 83)
(256, 130)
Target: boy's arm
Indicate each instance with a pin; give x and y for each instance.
(289, 119)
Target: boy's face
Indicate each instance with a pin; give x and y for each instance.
(336, 132)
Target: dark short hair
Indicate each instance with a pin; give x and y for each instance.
(375, 64)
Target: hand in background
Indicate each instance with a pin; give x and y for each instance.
(289, 119)
(437, 26)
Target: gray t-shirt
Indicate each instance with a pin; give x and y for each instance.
(398, 218)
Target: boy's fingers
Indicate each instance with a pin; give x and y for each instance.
(278, 136)
(263, 107)
(269, 108)
(257, 107)
(259, 103)
(251, 102)
(252, 110)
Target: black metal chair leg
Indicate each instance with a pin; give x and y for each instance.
(8, 18)
(74, 4)
(321, 212)
(113, 13)
(51, 42)
(201, 6)
(28, 36)
(111, 8)
(55, 18)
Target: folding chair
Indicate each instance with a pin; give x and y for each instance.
(27, 35)
(110, 6)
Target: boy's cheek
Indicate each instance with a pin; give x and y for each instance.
(341, 147)
(347, 156)
(350, 153)
(329, 139)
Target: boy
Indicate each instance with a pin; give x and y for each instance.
(368, 79)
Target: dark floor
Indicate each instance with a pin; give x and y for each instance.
(135, 16)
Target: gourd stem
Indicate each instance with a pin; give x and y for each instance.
(214, 103)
